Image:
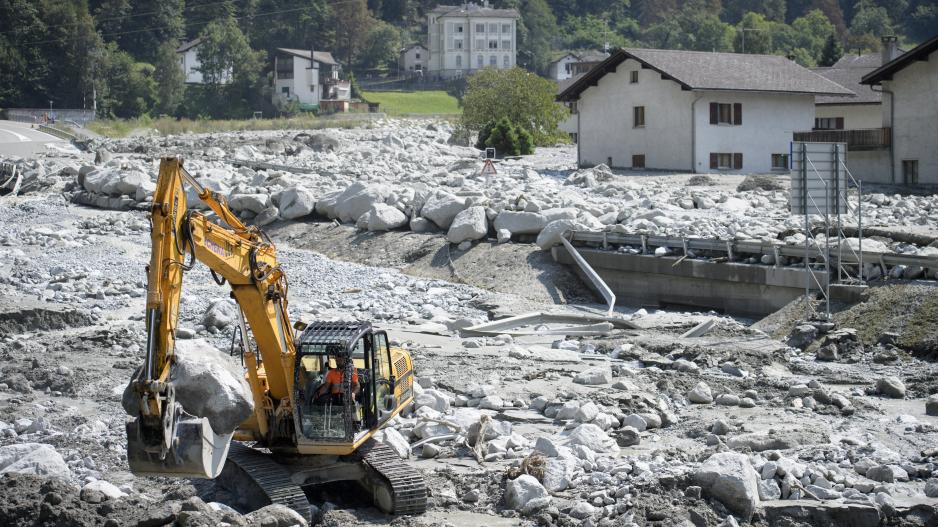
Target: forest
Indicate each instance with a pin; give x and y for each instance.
(119, 57)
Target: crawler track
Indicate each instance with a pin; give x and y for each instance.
(408, 486)
(270, 477)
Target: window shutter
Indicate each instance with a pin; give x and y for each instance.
(840, 123)
(714, 113)
(714, 159)
(737, 113)
(738, 161)
(817, 123)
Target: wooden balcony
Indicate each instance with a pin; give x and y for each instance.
(859, 139)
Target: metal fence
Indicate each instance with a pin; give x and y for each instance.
(37, 115)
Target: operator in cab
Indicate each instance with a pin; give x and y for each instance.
(332, 388)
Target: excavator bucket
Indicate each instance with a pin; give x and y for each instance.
(195, 449)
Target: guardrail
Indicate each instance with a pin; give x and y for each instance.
(594, 277)
(857, 139)
(57, 132)
(733, 248)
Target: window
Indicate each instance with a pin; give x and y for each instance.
(722, 113)
(573, 107)
(779, 161)
(480, 28)
(493, 60)
(457, 43)
(480, 43)
(285, 90)
(417, 55)
(506, 44)
(458, 61)
(480, 61)
(638, 161)
(506, 28)
(459, 28)
(910, 171)
(638, 116)
(493, 28)
(829, 123)
(723, 161)
(418, 67)
(493, 44)
(633, 77)
(506, 61)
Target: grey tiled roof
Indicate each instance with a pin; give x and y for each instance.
(474, 10)
(323, 57)
(186, 46)
(848, 77)
(701, 70)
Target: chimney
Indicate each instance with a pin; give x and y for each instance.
(889, 49)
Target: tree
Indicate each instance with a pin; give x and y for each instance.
(381, 47)
(126, 88)
(591, 32)
(871, 19)
(736, 10)
(922, 19)
(812, 32)
(352, 20)
(231, 71)
(832, 51)
(170, 79)
(756, 32)
(312, 27)
(525, 99)
(540, 28)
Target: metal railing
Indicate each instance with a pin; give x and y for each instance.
(858, 139)
(591, 273)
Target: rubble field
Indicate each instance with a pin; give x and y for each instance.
(774, 422)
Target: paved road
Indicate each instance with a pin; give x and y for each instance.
(20, 139)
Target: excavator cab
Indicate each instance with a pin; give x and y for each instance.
(335, 359)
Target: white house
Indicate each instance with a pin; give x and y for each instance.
(462, 39)
(561, 68)
(910, 109)
(693, 111)
(414, 59)
(190, 64)
(307, 77)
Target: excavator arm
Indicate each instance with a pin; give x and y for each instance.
(163, 438)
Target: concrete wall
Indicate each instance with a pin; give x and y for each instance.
(768, 123)
(855, 115)
(739, 289)
(304, 86)
(871, 166)
(606, 120)
(558, 70)
(916, 112)
(442, 34)
(414, 56)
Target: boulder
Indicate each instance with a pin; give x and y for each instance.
(325, 206)
(209, 383)
(730, 478)
(255, 203)
(392, 438)
(802, 336)
(276, 515)
(523, 490)
(469, 224)
(593, 438)
(441, 208)
(32, 458)
(384, 217)
(887, 473)
(700, 394)
(931, 488)
(358, 199)
(432, 398)
(520, 222)
(220, 314)
(558, 473)
(851, 245)
(107, 489)
(891, 387)
(931, 405)
(594, 376)
(552, 232)
(296, 202)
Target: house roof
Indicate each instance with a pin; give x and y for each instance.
(886, 71)
(474, 10)
(186, 46)
(701, 70)
(412, 46)
(592, 56)
(847, 72)
(323, 57)
(562, 55)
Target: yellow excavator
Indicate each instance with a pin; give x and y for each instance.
(304, 430)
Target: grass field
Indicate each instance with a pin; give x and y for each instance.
(170, 126)
(436, 102)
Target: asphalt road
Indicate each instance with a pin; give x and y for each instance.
(20, 139)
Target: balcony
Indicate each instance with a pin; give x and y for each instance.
(859, 139)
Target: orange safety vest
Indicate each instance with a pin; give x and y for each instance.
(334, 377)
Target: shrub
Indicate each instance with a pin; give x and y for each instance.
(504, 138)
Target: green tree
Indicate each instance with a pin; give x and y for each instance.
(871, 19)
(812, 31)
(352, 20)
(381, 48)
(754, 34)
(540, 28)
(231, 71)
(503, 138)
(591, 32)
(736, 10)
(126, 88)
(922, 19)
(170, 79)
(525, 99)
(832, 51)
(286, 26)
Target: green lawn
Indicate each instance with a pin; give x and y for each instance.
(418, 102)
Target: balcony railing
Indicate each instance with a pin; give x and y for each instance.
(859, 139)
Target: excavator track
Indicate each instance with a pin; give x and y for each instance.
(408, 486)
(273, 479)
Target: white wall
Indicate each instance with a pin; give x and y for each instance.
(916, 112)
(190, 64)
(605, 113)
(856, 116)
(558, 70)
(768, 123)
(410, 59)
(442, 59)
(870, 166)
(304, 86)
